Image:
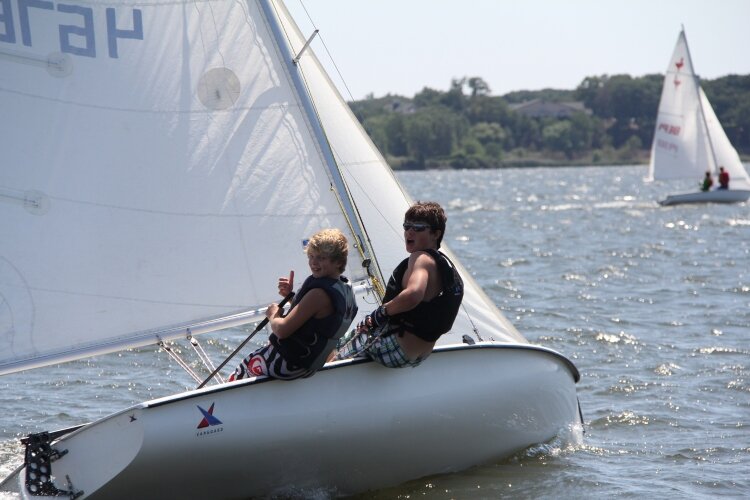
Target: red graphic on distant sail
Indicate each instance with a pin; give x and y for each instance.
(680, 63)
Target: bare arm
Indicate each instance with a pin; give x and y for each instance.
(315, 303)
(421, 266)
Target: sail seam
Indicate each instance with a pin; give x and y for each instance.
(196, 111)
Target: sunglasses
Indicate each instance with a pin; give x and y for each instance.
(416, 226)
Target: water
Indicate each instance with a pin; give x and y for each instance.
(652, 304)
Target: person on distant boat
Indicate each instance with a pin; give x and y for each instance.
(321, 312)
(723, 178)
(421, 301)
(707, 182)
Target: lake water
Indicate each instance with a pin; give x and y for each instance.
(652, 304)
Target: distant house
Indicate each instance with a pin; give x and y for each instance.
(400, 105)
(540, 108)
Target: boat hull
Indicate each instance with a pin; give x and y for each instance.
(716, 196)
(354, 426)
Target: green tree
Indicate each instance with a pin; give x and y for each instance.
(455, 98)
(492, 136)
(478, 86)
(489, 109)
(432, 132)
(427, 97)
(476, 130)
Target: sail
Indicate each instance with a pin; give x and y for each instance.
(680, 148)
(688, 138)
(161, 169)
(380, 199)
(158, 172)
(726, 154)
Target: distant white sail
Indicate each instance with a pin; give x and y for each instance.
(688, 138)
(726, 154)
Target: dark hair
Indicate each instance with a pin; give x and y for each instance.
(431, 213)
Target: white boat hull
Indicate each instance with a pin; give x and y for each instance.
(353, 427)
(716, 196)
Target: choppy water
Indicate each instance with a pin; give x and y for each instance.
(651, 303)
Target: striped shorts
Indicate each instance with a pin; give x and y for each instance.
(379, 344)
(268, 361)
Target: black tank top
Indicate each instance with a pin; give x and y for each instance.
(429, 320)
(310, 345)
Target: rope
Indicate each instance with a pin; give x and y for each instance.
(371, 338)
(473, 326)
(179, 360)
(364, 241)
(198, 348)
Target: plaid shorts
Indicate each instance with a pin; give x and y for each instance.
(379, 344)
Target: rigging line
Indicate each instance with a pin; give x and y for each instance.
(179, 360)
(328, 52)
(376, 281)
(471, 320)
(396, 229)
(697, 82)
(198, 348)
(365, 240)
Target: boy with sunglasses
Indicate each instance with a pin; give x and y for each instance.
(421, 300)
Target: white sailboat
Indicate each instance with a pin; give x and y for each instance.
(689, 140)
(162, 164)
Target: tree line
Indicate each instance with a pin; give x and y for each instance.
(612, 121)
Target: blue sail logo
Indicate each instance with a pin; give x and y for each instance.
(208, 418)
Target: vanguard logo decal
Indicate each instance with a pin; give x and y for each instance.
(208, 421)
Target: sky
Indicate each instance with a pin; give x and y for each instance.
(401, 46)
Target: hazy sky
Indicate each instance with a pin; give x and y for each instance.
(401, 46)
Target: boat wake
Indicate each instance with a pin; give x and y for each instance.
(568, 440)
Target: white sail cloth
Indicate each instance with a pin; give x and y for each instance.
(688, 138)
(159, 171)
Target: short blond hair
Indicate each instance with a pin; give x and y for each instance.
(330, 243)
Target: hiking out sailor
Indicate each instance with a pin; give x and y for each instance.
(321, 312)
(421, 301)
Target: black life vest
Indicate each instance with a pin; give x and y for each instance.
(429, 320)
(311, 344)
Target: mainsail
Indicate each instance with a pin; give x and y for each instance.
(161, 170)
(688, 138)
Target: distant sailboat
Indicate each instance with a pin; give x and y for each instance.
(162, 164)
(689, 140)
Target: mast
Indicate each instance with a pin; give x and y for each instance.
(715, 168)
(350, 212)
